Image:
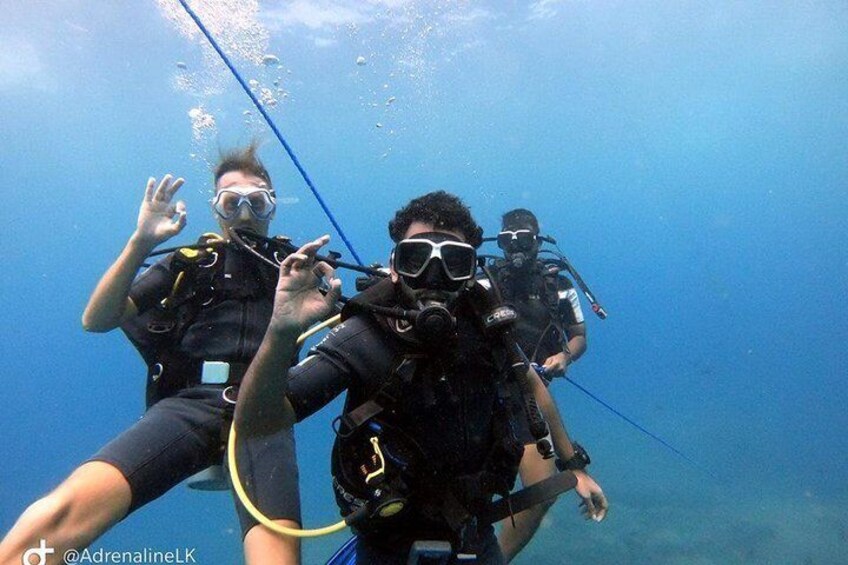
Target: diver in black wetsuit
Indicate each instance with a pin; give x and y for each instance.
(197, 316)
(552, 333)
(551, 329)
(433, 425)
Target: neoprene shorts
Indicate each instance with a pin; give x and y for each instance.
(181, 435)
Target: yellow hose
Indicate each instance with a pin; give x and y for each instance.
(239, 488)
(257, 514)
(317, 328)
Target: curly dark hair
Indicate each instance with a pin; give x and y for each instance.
(243, 159)
(520, 218)
(442, 210)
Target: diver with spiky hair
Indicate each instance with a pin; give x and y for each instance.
(438, 406)
(197, 317)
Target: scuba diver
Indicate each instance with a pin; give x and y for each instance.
(551, 332)
(436, 413)
(551, 329)
(197, 317)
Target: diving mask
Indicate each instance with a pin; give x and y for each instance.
(517, 240)
(427, 259)
(260, 201)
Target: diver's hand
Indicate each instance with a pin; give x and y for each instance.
(594, 505)
(556, 365)
(158, 218)
(298, 303)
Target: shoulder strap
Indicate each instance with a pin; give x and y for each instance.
(192, 266)
(550, 291)
(385, 397)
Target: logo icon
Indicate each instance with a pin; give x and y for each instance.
(41, 552)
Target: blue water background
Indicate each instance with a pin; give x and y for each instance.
(690, 157)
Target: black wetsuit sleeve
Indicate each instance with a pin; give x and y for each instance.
(314, 383)
(152, 285)
(335, 364)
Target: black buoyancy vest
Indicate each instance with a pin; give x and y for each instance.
(535, 297)
(219, 311)
(445, 423)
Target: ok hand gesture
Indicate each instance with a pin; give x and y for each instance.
(299, 301)
(158, 218)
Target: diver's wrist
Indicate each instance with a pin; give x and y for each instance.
(284, 330)
(141, 242)
(578, 461)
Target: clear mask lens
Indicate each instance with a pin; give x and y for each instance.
(412, 256)
(259, 201)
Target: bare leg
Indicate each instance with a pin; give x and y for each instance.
(264, 547)
(94, 498)
(532, 470)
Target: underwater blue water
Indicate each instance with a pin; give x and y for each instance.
(690, 157)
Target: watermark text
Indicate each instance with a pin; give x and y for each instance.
(101, 556)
